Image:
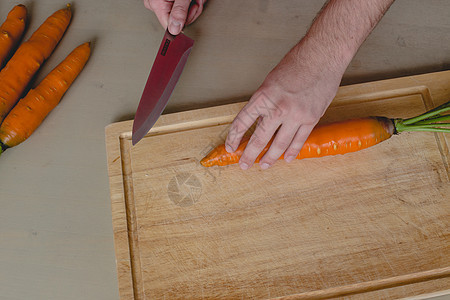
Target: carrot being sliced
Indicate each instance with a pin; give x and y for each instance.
(30, 111)
(26, 61)
(344, 137)
(11, 31)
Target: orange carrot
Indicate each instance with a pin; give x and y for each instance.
(30, 111)
(11, 31)
(344, 137)
(17, 73)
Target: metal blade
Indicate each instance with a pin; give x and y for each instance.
(167, 68)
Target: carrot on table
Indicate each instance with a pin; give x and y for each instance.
(345, 136)
(26, 61)
(11, 31)
(30, 111)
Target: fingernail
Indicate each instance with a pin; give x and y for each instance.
(244, 166)
(175, 27)
(228, 148)
(289, 159)
(265, 166)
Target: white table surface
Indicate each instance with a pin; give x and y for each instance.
(56, 239)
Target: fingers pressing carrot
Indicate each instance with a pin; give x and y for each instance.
(346, 136)
(329, 139)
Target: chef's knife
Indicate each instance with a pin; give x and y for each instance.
(166, 71)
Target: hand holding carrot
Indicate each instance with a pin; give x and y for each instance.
(290, 102)
(297, 92)
(175, 14)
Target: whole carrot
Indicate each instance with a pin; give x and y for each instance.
(30, 111)
(11, 31)
(22, 66)
(344, 137)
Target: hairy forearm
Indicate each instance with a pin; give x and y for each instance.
(338, 31)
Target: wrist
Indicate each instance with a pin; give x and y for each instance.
(315, 52)
(310, 62)
(338, 31)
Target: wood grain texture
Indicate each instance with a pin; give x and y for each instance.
(366, 225)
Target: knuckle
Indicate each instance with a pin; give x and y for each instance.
(239, 124)
(200, 8)
(247, 159)
(154, 5)
(275, 110)
(232, 140)
(274, 153)
(247, 115)
(180, 10)
(199, 3)
(279, 112)
(236, 131)
(257, 142)
(294, 149)
(269, 159)
(282, 145)
(309, 113)
(148, 5)
(292, 152)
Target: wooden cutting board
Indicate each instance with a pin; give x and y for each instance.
(367, 225)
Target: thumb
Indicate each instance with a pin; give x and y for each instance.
(178, 16)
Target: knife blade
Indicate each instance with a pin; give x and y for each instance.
(166, 70)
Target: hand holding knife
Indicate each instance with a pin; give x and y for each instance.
(167, 68)
(175, 14)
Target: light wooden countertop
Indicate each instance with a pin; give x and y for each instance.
(56, 239)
